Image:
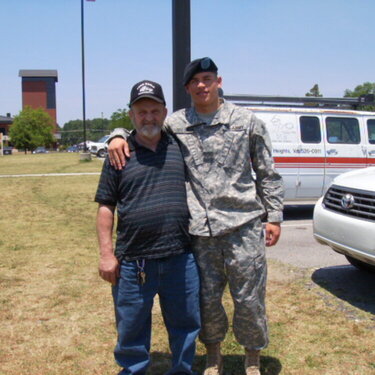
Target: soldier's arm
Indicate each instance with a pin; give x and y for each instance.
(273, 231)
(268, 181)
(118, 148)
(167, 126)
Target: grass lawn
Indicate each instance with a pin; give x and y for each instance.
(56, 313)
(20, 163)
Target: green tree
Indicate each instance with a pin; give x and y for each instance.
(98, 127)
(120, 119)
(32, 128)
(72, 132)
(314, 91)
(365, 89)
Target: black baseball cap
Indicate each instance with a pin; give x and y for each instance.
(204, 64)
(146, 89)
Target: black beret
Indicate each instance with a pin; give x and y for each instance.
(205, 64)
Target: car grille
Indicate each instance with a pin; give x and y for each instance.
(361, 202)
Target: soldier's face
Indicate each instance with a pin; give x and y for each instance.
(148, 117)
(203, 89)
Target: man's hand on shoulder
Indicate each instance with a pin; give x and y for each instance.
(273, 231)
(118, 151)
(109, 268)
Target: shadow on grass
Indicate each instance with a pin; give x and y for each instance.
(233, 364)
(349, 284)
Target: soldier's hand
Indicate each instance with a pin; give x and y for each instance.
(109, 268)
(118, 151)
(273, 231)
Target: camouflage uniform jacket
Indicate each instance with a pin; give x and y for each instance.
(221, 158)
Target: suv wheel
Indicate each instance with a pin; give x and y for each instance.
(101, 154)
(360, 265)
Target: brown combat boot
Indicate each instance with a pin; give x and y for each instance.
(214, 360)
(252, 362)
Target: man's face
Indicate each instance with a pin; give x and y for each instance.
(148, 117)
(203, 89)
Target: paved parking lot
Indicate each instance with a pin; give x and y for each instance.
(297, 245)
(328, 269)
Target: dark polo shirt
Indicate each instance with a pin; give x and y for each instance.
(150, 197)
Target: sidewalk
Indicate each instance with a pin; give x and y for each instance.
(50, 174)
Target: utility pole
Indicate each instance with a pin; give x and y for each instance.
(181, 50)
(85, 156)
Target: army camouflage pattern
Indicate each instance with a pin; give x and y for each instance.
(237, 258)
(220, 159)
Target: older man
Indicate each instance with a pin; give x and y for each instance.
(153, 252)
(222, 144)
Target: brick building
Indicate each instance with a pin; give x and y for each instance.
(5, 123)
(39, 90)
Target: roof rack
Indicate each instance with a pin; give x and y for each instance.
(303, 101)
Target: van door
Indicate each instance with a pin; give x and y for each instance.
(283, 130)
(344, 151)
(311, 157)
(370, 127)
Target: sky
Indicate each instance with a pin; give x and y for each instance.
(261, 47)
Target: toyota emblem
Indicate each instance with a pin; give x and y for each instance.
(347, 201)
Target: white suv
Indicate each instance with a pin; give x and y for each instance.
(344, 218)
(99, 148)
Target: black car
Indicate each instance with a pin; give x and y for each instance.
(7, 150)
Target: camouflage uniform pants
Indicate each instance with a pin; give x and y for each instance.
(236, 258)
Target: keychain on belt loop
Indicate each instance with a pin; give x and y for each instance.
(141, 271)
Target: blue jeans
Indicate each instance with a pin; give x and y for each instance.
(176, 280)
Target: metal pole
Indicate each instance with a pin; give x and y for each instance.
(83, 77)
(181, 50)
(1, 145)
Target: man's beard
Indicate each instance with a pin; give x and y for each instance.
(150, 131)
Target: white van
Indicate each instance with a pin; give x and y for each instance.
(311, 146)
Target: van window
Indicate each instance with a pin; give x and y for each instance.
(310, 129)
(343, 130)
(371, 131)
